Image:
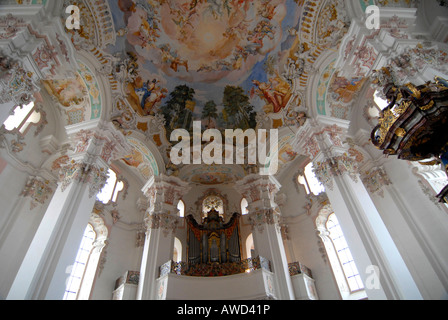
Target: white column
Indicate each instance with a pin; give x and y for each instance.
(366, 234)
(26, 214)
(264, 216)
(161, 220)
(44, 269)
(43, 272)
(407, 221)
(6, 109)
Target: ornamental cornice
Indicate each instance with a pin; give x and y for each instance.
(165, 221)
(85, 173)
(97, 140)
(375, 179)
(165, 189)
(336, 166)
(259, 218)
(17, 84)
(38, 189)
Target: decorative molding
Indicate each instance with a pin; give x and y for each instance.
(103, 142)
(140, 237)
(164, 221)
(374, 180)
(259, 219)
(163, 193)
(326, 170)
(311, 140)
(90, 174)
(115, 216)
(38, 190)
(16, 84)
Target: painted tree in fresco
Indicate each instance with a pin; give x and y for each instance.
(178, 109)
(238, 112)
(209, 112)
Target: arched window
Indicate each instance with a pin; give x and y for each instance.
(22, 118)
(110, 191)
(244, 205)
(85, 268)
(339, 255)
(177, 253)
(212, 203)
(344, 254)
(310, 181)
(380, 102)
(181, 208)
(373, 109)
(79, 267)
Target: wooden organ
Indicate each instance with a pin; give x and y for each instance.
(213, 241)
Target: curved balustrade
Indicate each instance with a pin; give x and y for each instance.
(215, 269)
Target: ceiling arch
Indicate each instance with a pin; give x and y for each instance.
(144, 156)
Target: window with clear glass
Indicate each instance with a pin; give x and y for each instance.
(22, 118)
(373, 110)
(213, 203)
(110, 191)
(79, 267)
(181, 208)
(345, 257)
(244, 205)
(177, 251)
(310, 181)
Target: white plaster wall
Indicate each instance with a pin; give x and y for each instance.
(429, 223)
(17, 225)
(122, 254)
(241, 286)
(303, 236)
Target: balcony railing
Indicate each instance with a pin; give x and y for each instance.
(296, 268)
(215, 269)
(130, 277)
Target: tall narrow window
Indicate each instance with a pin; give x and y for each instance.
(373, 110)
(177, 252)
(344, 269)
(381, 102)
(79, 267)
(345, 257)
(310, 181)
(250, 249)
(181, 208)
(244, 205)
(110, 191)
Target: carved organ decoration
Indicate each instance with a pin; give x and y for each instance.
(213, 241)
(413, 126)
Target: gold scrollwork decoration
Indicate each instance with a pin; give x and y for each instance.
(400, 132)
(428, 106)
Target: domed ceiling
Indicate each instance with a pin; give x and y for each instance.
(215, 61)
(229, 64)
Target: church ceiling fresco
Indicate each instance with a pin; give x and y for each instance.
(229, 64)
(220, 62)
(79, 97)
(212, 174)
